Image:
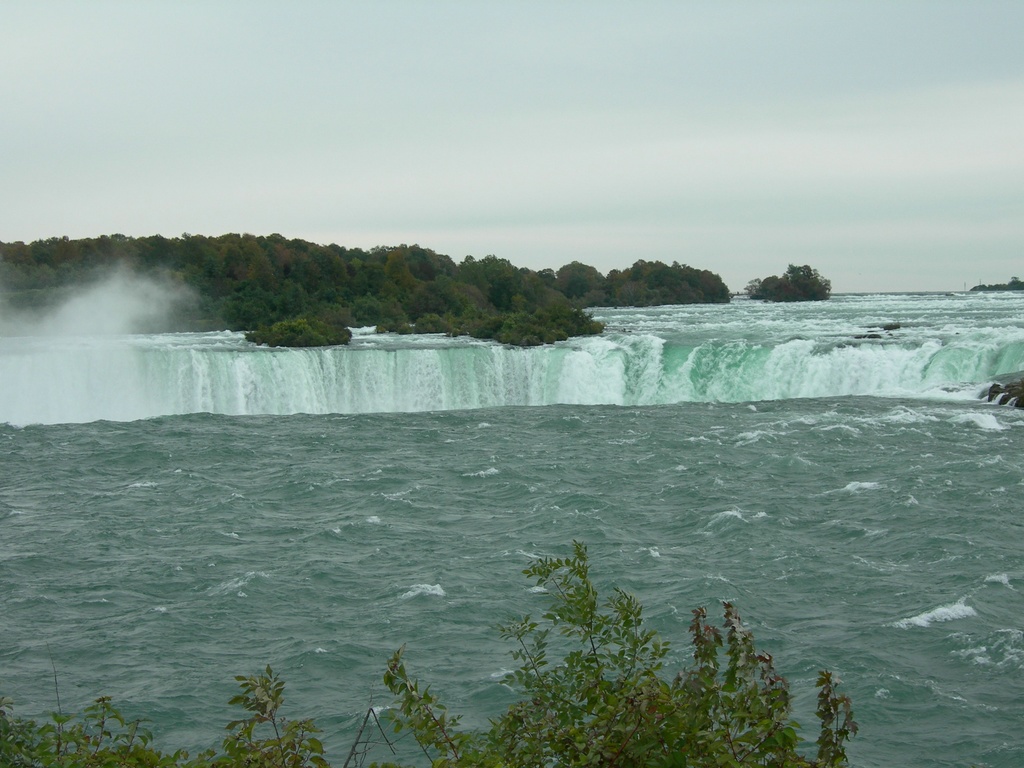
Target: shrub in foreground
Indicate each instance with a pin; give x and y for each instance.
(102, 738)
(603, 699)
(594, 693)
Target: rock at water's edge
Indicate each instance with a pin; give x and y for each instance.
(1007, 394)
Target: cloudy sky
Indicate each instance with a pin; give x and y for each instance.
(881, 142)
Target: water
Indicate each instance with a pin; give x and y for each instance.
(176, 510)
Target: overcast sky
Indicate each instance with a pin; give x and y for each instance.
(880, 142)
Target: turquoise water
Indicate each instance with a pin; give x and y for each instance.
(851, 495)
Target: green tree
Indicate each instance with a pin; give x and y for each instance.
(300, 332)
(648, 283)
(396, 270)
(594, 693)
(496, 278)
(799, 283)
(576, 280)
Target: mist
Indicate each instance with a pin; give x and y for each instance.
(116, 303)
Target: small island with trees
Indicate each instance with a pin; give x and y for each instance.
(1015, 284)
(290, 292)
(799, 283)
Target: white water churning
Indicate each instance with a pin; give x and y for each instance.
(944, 347)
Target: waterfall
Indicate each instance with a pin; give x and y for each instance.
(123, 378)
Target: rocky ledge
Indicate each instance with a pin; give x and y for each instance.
(1007, 394)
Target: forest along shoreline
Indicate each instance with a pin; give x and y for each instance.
(291, 292)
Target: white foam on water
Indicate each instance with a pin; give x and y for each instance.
(1009, 644)
(483, 473)
(158, 609)
(999, 578)
(951, 612)
(847, 428)
(988, 461)
(235, 585)
(320, 650)
(857, 487)
(729, 514)
(229, 534)
(373, 520)
(432, 590)
(977, 655)
(143, 484)
(716, 577)
(1003, 648)
(881, 566)
(904, 415)
(528, 555)
(985, 421)
(749, 438)
(623, 441)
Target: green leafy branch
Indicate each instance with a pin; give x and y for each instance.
(605, 701)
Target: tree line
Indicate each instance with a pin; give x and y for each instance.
(293, 291)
